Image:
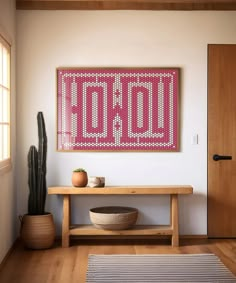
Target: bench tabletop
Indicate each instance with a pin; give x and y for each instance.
(123, 190)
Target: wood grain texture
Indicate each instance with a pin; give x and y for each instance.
(174, 220)
(126, 5)
(58, 265)
(66, 221)
(82, 230)
(221, 140)
(123, 190)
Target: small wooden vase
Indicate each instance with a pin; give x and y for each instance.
(79, 179)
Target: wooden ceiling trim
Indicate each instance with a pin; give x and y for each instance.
(185, 5)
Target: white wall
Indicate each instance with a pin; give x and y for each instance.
(50, 39)
(7, 188)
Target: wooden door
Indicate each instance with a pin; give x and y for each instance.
(222, 141)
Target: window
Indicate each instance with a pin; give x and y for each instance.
(4, 104)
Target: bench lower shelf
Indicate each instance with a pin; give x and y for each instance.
(83, 230)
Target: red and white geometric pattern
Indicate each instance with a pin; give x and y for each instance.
(117, 109)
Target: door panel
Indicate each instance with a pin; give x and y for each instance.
(222, 140)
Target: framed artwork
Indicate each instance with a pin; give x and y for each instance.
(117, 109)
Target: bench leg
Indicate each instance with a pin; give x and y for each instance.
(66, 221)
(174, 219)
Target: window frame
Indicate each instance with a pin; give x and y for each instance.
(6, 164)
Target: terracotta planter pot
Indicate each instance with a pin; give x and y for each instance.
(37, 231)
(79, 179)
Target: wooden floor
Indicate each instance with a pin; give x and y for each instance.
(69, 265)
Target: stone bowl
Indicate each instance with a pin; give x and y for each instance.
(113, 217)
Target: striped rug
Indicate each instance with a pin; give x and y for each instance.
(157, 268)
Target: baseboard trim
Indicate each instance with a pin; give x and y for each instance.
(193, 237)
(133, 237)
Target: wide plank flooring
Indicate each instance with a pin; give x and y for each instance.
(69, 265)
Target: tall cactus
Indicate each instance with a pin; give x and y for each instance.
(37, 171)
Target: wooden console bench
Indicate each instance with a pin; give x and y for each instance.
(144, 230)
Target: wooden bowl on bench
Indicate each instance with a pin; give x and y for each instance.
(113, 217)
